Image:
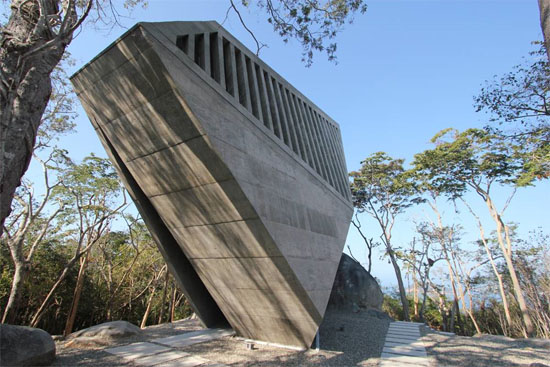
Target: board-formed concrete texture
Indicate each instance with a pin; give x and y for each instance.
(239, 177)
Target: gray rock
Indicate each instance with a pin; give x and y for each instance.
(354, 287)
(379, 314)
(25, 346)
(102, 334)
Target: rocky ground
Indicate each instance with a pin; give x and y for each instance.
(347, 339)
(487, 350)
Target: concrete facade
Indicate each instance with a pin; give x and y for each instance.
(240, 178)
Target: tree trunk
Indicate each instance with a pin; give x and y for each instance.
(424, 299)
(470, 310)
(415, 296)
(148, 309)
(495, 269)
(452, 319)
(544, 7)
(173, 303)
(164, 293)
(529, 327)
(507, 252)
(40, 312)
(443, 312)
(402, 292)
(25, 89)
(76, 297)
(15, 293)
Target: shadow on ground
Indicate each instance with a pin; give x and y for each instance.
(347, 339)
(487, 350)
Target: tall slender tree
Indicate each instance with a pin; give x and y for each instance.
(382, 189)
(479, 160)
(91, 190)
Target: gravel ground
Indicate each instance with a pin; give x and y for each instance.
(95, 356)
(486, 350)
(347, 339)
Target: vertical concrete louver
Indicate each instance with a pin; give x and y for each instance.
(240, 178)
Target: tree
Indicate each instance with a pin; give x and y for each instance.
(90, 190)
(26, 228)
(32, 44)
(544, 9)
(445, 236)
(479, 160)
(532, 257)
(519, 104)
(25, 231)
(369, 242)
(381, 189)
(314, 23)
(37, 33)
(420, 261)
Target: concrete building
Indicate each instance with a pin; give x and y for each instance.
(240, 178)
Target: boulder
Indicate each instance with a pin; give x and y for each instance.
(102, 334)
(354, 288)
(25, 346)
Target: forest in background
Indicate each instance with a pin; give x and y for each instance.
(500, 284)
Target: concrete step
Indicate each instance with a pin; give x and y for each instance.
(137, 350)
(183, 340)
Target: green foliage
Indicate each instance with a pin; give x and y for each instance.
(116, 287)
(90, 192)
(382, 186)
(314, 23)
(49, 260)
(518, 103)
(432, 315)
(392, 306)
(472, 159)
(520, 96)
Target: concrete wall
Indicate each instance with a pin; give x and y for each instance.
(247, 177)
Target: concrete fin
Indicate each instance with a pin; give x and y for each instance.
(253, 222)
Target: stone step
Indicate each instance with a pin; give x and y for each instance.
(137, 350)
(159, 358)
(408, 323)
(183, 340)
(418, 361)
(189, 361)
(402, 336)
(416, 346)
(405, 351)
(396, 327)
(388, 363)
(401, 340)
(401, 331)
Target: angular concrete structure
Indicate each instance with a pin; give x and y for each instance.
(240, 178)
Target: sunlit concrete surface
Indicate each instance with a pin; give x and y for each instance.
(240, 178)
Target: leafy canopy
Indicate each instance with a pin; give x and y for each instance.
(519, 103)
(314, 23)
(382, 185)
(475, 158)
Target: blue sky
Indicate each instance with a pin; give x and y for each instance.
(406, 69)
